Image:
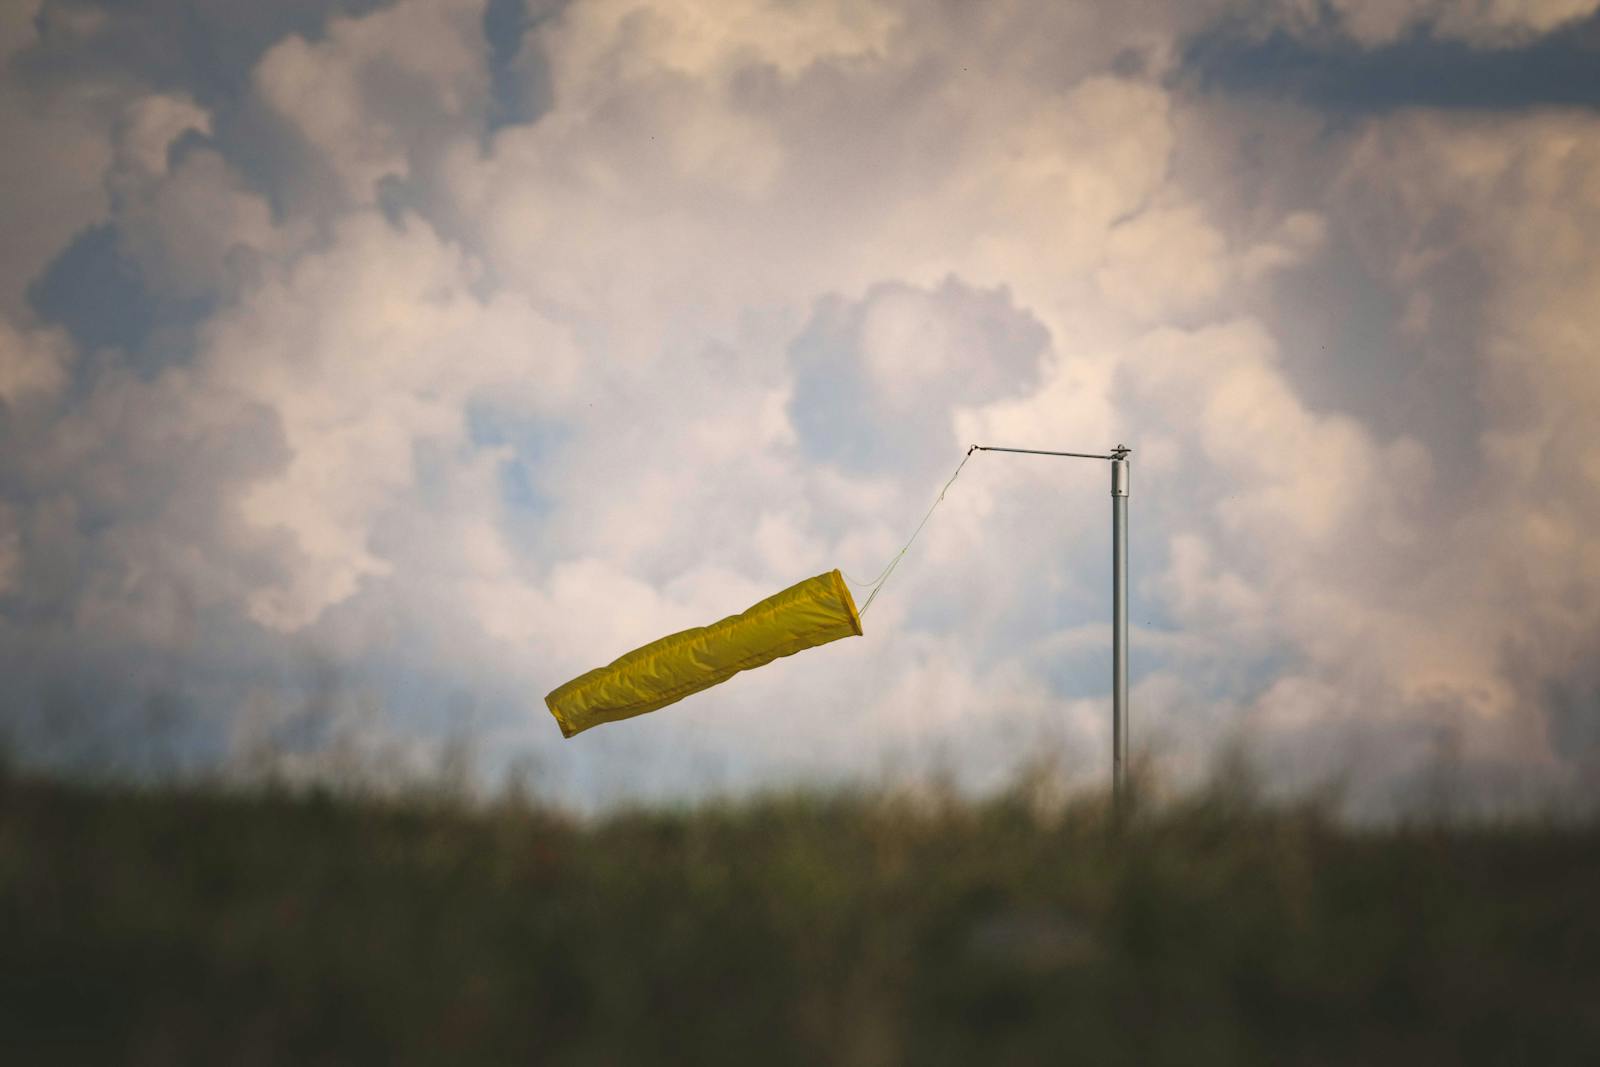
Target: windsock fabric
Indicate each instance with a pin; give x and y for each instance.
(814, 612)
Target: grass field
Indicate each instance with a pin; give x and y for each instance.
(194, 927)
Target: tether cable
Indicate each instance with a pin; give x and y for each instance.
(878, 583)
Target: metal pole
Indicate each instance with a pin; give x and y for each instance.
(1119, 627)
(1119, 606)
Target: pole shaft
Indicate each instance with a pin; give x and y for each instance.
(1119, 631)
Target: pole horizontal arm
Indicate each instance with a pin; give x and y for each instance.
(1118, 453)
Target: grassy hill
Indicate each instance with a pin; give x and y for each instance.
(167, 927)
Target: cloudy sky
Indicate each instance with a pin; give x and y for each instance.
(368, 369)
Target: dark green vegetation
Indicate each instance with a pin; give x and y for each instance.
(184, 927)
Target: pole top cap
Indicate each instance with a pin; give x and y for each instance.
(1121, 452)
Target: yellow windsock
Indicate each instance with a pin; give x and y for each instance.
(814, 612)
